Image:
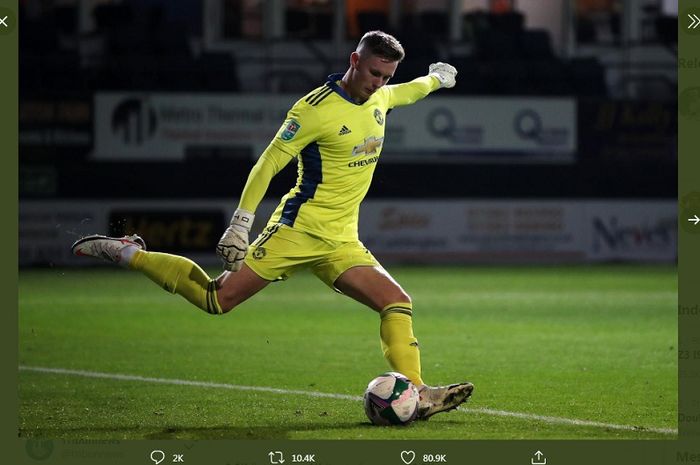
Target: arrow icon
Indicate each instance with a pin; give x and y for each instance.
(539, 461)
(276, 457)
(695, 220)
(694, 21)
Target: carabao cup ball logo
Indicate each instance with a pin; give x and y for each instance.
(391, 399)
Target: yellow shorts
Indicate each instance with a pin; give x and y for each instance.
(280, 251)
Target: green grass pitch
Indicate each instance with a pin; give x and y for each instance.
(554, 352)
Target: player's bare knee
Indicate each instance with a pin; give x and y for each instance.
(227, 304)
(399, 296)
(224, 296)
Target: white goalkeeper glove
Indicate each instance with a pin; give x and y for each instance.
(444, 72)
(233, 245)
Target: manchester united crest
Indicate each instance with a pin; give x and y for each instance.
(259, 253)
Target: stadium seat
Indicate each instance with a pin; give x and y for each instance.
(536, 44)
(492, 44)
(469, 80)
(433, 24)
(217, 71)
(297, 22)
(588, 77)
(372, 20)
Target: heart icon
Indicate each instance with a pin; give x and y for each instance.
(407, 456)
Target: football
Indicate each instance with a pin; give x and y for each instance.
(391, 399)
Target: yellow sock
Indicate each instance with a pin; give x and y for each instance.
(178, 275)
(399, 345)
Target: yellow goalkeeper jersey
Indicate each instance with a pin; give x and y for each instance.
(337, 143)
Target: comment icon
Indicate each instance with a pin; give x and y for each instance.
(157, 456)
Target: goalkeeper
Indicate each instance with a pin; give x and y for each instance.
(336, 134)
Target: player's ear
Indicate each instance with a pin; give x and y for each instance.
(354, 60)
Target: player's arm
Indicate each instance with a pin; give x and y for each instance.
(270, 163)
(298, 130)
(439, 75)
(233, 244)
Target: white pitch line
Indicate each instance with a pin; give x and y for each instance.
(327, 395)
(566, 421)
(184, 382)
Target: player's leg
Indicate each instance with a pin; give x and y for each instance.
(235, 288)
(374, 287)
(175, 274)
(353, 270)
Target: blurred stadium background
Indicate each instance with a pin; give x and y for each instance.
(557, 145)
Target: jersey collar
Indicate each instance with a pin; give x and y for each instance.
(332, 78)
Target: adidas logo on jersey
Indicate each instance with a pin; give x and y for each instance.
(344, 130)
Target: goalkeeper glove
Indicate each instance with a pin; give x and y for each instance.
(233, 245)
(445, 73)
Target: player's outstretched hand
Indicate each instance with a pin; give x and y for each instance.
(233, 245)
(444, 72)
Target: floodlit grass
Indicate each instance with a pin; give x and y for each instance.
(596, 344)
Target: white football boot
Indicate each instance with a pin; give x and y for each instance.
(442, 398)
(117, 250)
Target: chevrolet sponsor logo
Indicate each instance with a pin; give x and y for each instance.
(368, 161)
(371, 146)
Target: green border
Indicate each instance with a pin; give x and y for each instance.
(374, 452)
(688, 234)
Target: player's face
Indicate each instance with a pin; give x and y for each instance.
(370, 73)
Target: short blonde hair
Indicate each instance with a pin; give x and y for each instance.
(383, 45)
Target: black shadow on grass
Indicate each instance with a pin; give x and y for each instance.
(247, 432)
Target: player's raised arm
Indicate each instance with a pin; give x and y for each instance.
(443, 72)
(439, 75)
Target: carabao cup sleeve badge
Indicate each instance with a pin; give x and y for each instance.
(290, 130)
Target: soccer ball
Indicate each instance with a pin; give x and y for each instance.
(391, 399)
